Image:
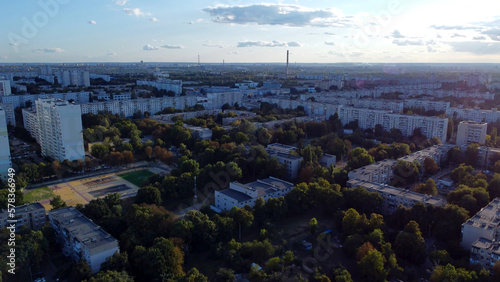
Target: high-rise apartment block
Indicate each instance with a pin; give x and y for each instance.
(471, 132)
(57, 127)
(81, 238)
(5, 87)
(5, 161)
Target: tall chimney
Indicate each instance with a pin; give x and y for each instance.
(287, 56)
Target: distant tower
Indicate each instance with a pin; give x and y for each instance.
(199, 60)
(287, 56)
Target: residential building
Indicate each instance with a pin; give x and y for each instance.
(164, 84)
(5, 87)
(239, 195)
(217, 100)
(439, 153)
(327, 160)
(5, 160)
(379, 172)
(281, 148)
(200, 132)
(427, 105)
(57, 127)
(29, 215)
(292, 162)
(10, 115)
(484, 224)
(81, 238)
(471, 132)
(477, 115)
(393, 197)
(128, 108)
(487, 156)
(23, 100)
(485, 252)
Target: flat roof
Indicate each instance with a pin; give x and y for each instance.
(262, 186)
(237, 195)
(486, 244)
(384, 188)
(488, 218)
(84, 230)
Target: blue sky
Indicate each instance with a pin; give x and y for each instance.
(320, 31)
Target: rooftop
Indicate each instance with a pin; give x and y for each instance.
(262, 186)
(386, 189)
(486, 244)
(473, 122)
(488, 218)
(83, 229)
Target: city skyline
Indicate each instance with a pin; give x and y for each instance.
(53, 31)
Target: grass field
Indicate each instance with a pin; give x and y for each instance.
(39, 194)
(137, 177)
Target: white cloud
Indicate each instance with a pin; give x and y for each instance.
(478, 48)
(173, 46)
(153, 19)
(279, 14)
(329, 33)
(274, 43)
(213, 45)
(148, 47)
(49, 50)
(120, 2)
(479, 37)
(493, 34)
(294, 44)
(457, 35)
(397, 34)
(134, 12)
(330, 43)
(92, 22)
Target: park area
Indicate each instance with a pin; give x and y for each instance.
(137, 177)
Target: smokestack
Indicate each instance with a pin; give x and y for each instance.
(287, 56)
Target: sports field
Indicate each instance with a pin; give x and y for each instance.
(137, 177)
(39, 194)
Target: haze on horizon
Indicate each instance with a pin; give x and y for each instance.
(242, 31)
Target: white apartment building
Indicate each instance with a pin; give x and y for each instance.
(367, 118)
(5, 87)
(164, 84)
(393, 197)
(379, 172)
(217, 100)
(281, 148)
(30, 215)
(73, 77)
(57, 127)
(474, 114)
(471, 132)
(81, 238)
(20, 100)
(5, 161)
(427, 105)
(484, 224)
(239, 195)
(127, 108)
(10, 115)
(292, 162)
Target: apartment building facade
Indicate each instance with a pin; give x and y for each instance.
(5, 160)
(471, 132)
(31, 215)
(81, 238)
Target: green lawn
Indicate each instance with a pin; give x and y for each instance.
(39, 194)
(137, 177)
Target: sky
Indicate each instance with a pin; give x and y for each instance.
(243, 31)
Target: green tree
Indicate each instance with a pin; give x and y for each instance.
(410, 245)
(359, 157)
(242, 217)
(57, 202)
(313, 225)
(99, 150)
(111, 276)
(371, 267)
(471, 154)
(224, 275)
(149, 195)
(430, 166)
(405, 172)
(429, 188)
